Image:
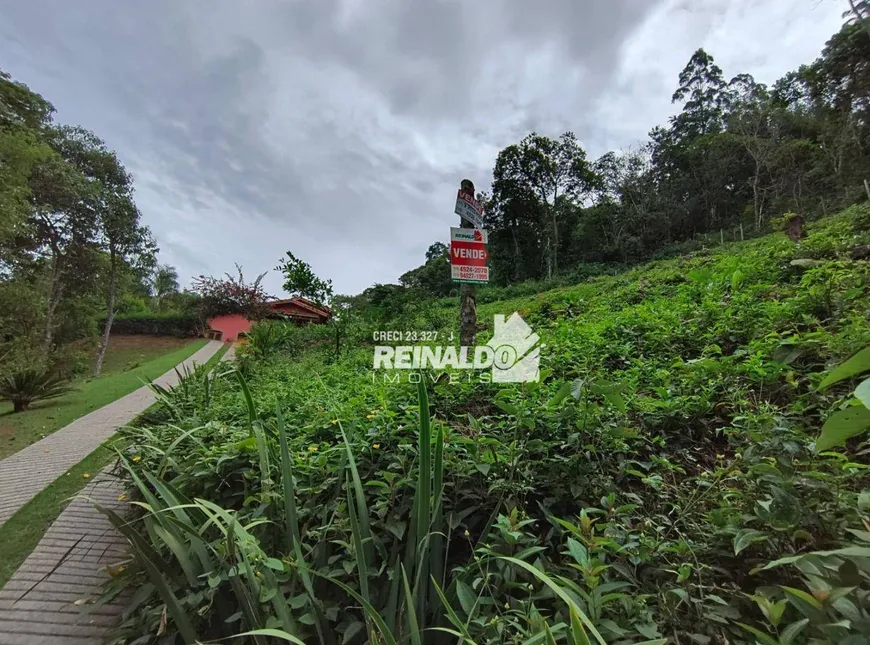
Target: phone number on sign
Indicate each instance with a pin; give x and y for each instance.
(405, 336)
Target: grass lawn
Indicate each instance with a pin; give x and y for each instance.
(22, 532)
(129, 352)
(154, 356)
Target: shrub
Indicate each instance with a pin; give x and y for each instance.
(152, 324)
(25, 386)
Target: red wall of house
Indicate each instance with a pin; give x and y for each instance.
(231, 325)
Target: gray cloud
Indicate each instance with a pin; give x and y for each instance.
(340, 128)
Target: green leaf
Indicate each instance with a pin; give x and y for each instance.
(578, 552)
(563, 393)
(466, 597)
(510, 408)
(842, 425)
(802, 595)
(274, 633)
(859, 363)
(789, 633)
(862, 392)
(745, 537)
(351, 631)
(760, 635)
(413, 624)
(578, 634)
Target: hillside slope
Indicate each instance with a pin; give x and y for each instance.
(635, 494)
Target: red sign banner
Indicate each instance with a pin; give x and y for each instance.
(468, 255)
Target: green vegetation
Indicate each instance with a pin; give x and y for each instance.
(18, 431)
(659, 484)
(24, 386)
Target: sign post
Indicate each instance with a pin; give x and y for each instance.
(467, 207)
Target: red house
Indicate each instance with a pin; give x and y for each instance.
(298, 310)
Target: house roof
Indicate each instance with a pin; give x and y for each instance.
(303, 303)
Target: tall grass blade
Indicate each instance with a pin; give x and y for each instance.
(572, 605)
(263, 450)
(291, 519)
(371, 613)
(151, 561)
(437, 554)
(249, 401)
(362, 508)
(361, 559)
(274, 633)
(413, 625)
(423, 498)
(453, 617)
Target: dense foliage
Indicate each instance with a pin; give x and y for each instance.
(73, 249)
(153, 324)
(660, 484)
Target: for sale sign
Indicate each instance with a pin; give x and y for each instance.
(468, 255)
(468, 208)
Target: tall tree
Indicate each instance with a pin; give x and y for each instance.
(164, 283)
(704, 95)
(128, 244)
(541, 171)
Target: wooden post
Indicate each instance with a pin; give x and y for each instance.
(467, 292)
(867, 188)
(741, 231)
(721, 236)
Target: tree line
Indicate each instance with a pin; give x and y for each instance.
(737, 155)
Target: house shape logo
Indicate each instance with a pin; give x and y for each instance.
(517, 353)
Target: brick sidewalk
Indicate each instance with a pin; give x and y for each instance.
(28, 471)
(37, 606)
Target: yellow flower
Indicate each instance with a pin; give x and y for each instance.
(334, 421)
(122, 497)
(86, 475)
(376, 446)
(137, 459)
(720, 456)
(371, 416)
(313, 448)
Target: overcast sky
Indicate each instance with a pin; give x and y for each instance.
(340, 129)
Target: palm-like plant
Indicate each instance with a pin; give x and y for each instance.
(23, 387)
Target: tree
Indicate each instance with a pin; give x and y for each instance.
(703, 92)
(164, 283)
(128, 244)
(859, 13)
(432, 278)
(110, 205)
(752, 119)
(300, 280)
(62, 228)
(540, 171)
